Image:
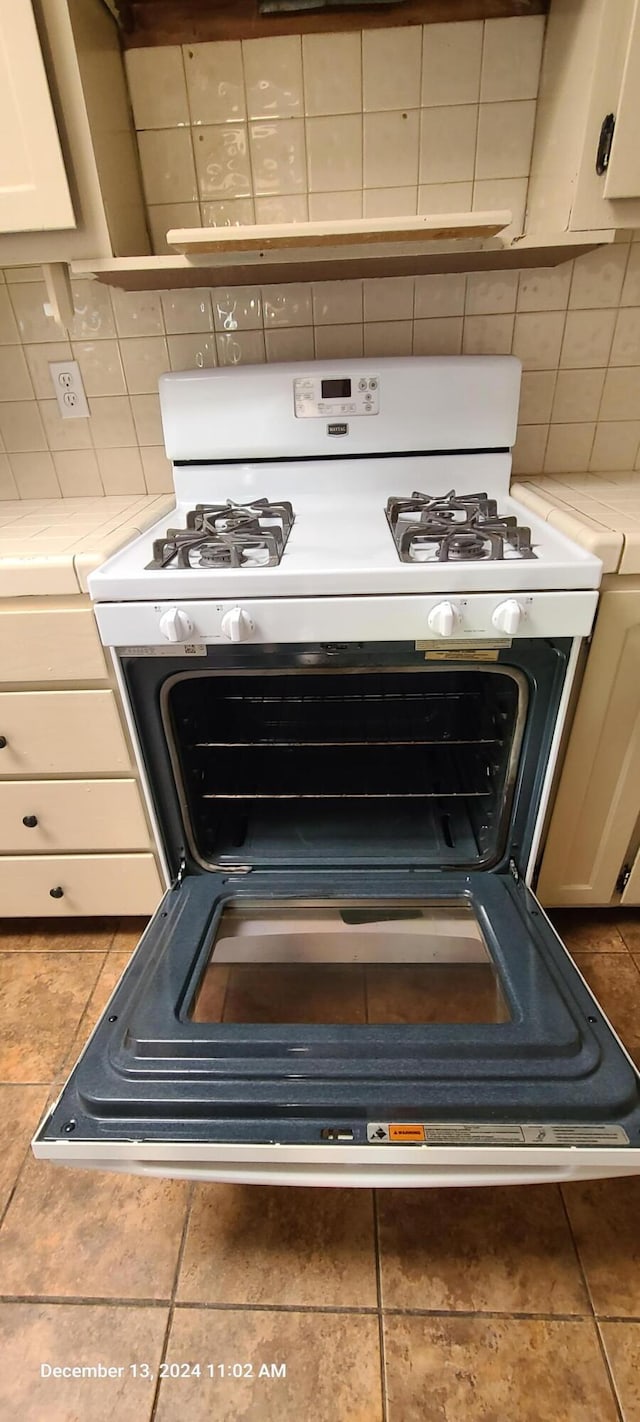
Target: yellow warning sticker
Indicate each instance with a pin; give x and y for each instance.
(406, 1133)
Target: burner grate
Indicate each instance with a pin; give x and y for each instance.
(228, 535)
(452, 528)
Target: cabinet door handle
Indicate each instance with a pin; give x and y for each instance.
(30, 821)
(3, 742)
(57, 893)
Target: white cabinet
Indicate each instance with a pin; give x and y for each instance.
(34, 191)
(590, 77)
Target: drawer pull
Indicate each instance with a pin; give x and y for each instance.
(3, 742)
(57, 893)
(30, 821)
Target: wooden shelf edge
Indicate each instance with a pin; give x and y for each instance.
(296, 236)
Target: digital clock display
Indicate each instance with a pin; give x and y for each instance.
(336, 389)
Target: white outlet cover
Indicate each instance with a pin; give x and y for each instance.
(68, 389)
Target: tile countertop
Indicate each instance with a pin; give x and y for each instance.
(599, 511)
(48, 547)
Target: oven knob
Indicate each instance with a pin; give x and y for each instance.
(442, 618)
(236, 625)
(175, 625)
(506, 616)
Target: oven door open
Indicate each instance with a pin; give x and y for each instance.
(351, 1026)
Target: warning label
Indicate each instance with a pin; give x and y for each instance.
(464, 1133)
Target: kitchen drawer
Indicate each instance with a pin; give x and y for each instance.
(61, 732)
(50, 644)
(91, 884)
(71, 815)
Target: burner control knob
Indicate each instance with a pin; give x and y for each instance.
(236, 625)
(507, 615)
(175, 625)
(442, 618)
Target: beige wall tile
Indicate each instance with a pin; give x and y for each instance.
(587, 338)
(9, 333)
(505, 136)
(498, 194)
(35, 476)
(78, 474)
(491, 292)
(237, 308)
(31, 310)
(391, 64)
(8, 487)
(273, 76)
(38, 358)
(569, 448)
(615, 445)
(93, 319)
(334, 153)
(528, 450)
(164, 216)
(388, 299)
(448, 144)
(598, 277)
(339, 342)
(487, 335)
(63, 434)
(439, 295)
(241, 348)
(121, 471)
(156, 82)
(166, 158)
(137, 313)
(13, 275)
(625, 349)
(444, 197)
(15, 381)
(537, 338)
(215, 81)
(536, 396)
(390, 202)
(100, 367)
(187, 310)
(451, 56)
(332, 73)
(391, 146)
(147, 419)
(621, 394)
(511, 58)
(437, 335)
(336, 302)
(293, 344)
(545, 288)
(223, 168)
(325, 207)
(278, 155)
(145, 359)
(195, 352)
(236, 212)
(21, 427)
(631, 288)
(577, 395)
(388, 338)
(158, 474)
(112, 424)
(285, 207)
(287, 305)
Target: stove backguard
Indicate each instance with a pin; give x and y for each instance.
(357, 755)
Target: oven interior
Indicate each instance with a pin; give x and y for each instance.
(292, 767)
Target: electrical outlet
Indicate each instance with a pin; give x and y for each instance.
(69, 390)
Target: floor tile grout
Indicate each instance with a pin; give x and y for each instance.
(172, 1301)
(348, 1310)
(612, 1383)
(381, 1340)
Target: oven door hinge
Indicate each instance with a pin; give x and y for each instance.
(182, 869)
(623, 878)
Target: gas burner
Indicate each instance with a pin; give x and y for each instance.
(227, 535)
(455, 528)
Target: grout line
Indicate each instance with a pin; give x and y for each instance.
(576, 1252)
(612, 1382)
(381, 1338)
(172, 1302)
(188, 1305)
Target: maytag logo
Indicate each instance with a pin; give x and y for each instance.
(338, 428)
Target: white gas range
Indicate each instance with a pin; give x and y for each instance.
(346, 661)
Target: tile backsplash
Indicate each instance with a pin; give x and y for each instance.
(417, 119)
(576, 329)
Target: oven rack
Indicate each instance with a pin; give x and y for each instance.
(346, 771)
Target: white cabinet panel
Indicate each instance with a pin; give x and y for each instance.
(61, 733)
(623, 173)
(71, 816)
(91, 884)
(49, 644)
(34, 192)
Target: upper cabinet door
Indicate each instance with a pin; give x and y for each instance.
(34, 192)
(623, 171)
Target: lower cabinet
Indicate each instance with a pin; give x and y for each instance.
(591, 853)
(60, 886)
(67, 816)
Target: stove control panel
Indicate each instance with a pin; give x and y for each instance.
(322, 397)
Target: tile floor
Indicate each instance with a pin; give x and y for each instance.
(433, 1306)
